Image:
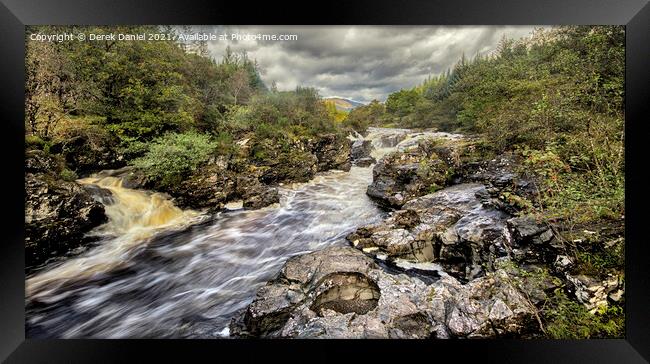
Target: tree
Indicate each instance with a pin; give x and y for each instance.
(239, 85)
(402, 103)
(52, 88)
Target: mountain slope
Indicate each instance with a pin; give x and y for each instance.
(343, 104)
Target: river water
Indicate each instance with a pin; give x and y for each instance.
(162, 272)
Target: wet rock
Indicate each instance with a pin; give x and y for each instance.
(502, 176)
(562, 263)
(339, 292)
(360, 153)
(294, 166)
(223, 181)
(57, 213)
(453, 227)
(498, 171)
(262, 198)
(534, 241)
(332, 151)
(360, 149)
(210, 186)
(404, 175)
(100, 194)
(132, 178)
(365, 162)
(407, 218)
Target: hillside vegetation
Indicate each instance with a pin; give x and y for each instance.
(131, 97)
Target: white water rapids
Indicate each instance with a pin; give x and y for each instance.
(160, 272)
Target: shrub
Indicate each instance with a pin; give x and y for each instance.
(171, 157)
(68, 175)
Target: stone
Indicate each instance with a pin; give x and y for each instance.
(563, 263)
(341, 293)
(594, 293)
(404, 175)
(58, 213)
(453, 227)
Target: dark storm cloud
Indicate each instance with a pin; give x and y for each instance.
(361, 62)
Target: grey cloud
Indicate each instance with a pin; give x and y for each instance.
(360, 62)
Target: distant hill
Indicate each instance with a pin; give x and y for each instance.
(343, 104)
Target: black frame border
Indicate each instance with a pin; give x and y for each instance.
(635, 14)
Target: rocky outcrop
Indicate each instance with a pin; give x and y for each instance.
(252, 174)
(222, 181)
(360, 153)
(332, 151)
(292, 166)
(594, 293)
(455, 227)
(502, 175)
(404, 175)
(57, 213)
(339, 292)
(535, 242)
(86, 152)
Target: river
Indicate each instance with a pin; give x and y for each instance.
(162, 272)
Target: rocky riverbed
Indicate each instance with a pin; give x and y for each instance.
(451, 260)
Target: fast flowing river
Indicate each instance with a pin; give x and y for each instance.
(161, 272)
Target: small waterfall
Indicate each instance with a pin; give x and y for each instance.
(133, 217)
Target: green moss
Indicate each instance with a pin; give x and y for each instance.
(34, 142)
(431, 294)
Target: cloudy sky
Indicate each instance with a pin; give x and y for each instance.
(361, 62)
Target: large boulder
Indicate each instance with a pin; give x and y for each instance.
(57, 213)
(534, 241)
(222, 181)
(339, 292)
(210, 186)
(293, 166)
(404, 175)
(253, 193)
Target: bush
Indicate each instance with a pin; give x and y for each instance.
(68, 175)
(171, 157)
